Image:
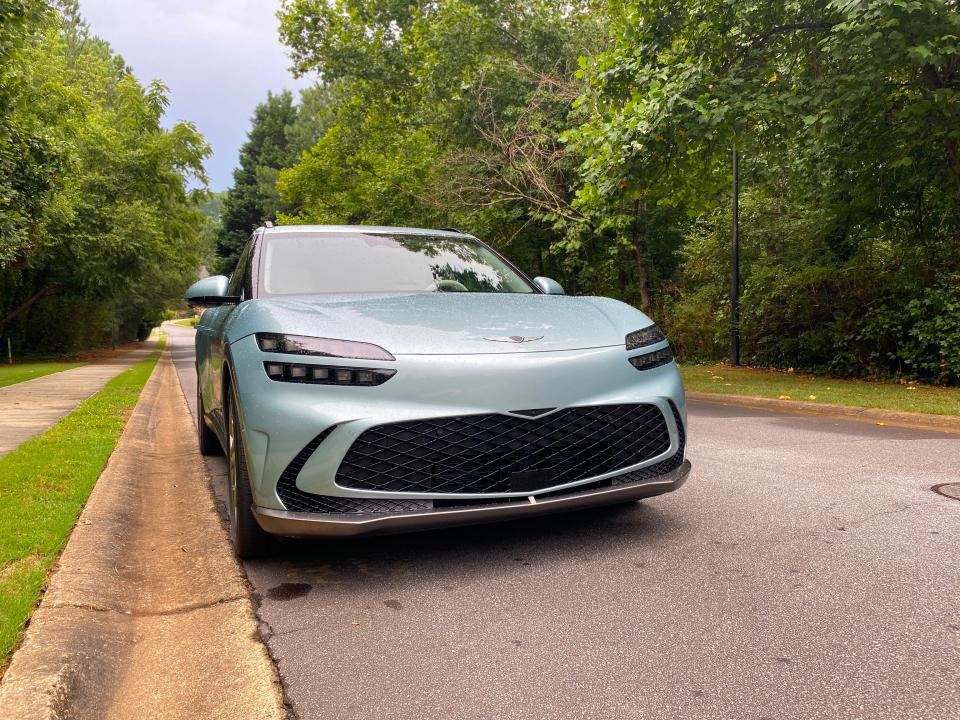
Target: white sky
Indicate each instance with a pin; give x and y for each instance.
(218, 57)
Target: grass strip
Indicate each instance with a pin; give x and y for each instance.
(44, 484)
(909, 397)
(18, 372)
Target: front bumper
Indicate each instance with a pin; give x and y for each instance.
(281, 419)
(296, 524)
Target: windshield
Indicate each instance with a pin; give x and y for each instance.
(300, 264)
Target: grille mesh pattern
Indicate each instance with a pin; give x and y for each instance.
(662, 467)
(296, 500)
(479, 453)
(299, 501)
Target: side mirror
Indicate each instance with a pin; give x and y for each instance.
(550, 287)
(210, 291)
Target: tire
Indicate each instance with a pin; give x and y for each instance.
(206, 438)
(248, 538)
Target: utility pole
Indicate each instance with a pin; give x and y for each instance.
(735, 272)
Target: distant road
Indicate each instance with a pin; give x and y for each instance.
(805, 571)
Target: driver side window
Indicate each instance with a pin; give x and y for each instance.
(237, 284)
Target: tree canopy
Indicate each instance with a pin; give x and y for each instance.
(591, 141)
(98, 229)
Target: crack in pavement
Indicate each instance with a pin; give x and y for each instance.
(148, 613)
(874, 516)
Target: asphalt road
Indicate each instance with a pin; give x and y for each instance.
(806, 570)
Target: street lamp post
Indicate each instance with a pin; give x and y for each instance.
(735, 272)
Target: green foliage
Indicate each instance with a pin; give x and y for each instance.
(280, 131)
(591, 141)
(848, 115)
(447, 114)
(95, 214)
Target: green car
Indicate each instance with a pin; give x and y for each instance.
(367, 380)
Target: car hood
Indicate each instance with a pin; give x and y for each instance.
(445, 323)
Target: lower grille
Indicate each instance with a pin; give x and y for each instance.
(339, 505)
(488, 453)
(296, 500)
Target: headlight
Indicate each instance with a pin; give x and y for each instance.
(648, 336)
(327, 347)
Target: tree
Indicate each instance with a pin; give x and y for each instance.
(253, 197)
(848, 114)
(591, 140)
(444, 114)
(98, 214)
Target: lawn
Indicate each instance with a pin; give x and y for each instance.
(18, 372)
(186, 322)
(44, 484)
(793, 386)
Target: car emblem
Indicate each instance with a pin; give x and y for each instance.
(514, 338)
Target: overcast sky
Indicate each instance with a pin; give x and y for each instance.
(218, 57)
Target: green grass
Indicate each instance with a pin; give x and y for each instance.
(185, 322)
(18, 372)
(811, 388)
(44, 484)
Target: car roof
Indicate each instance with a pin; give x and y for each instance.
(358, 229)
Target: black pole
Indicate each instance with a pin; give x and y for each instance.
(735, 273)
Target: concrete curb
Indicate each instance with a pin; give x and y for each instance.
(148, 614)
(943, 423)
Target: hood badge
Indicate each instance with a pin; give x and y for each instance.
(514, 338)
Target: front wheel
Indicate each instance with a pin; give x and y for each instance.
(248, 538)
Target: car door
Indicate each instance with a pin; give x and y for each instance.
(214, 325)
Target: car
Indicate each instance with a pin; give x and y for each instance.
(374, 380)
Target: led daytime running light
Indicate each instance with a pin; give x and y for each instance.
(652, 360)
(326, 375)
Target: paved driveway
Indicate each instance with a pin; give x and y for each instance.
(805, 571)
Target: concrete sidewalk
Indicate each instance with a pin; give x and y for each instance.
(33, 406)
(148, 615)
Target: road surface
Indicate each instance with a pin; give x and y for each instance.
(805, 570)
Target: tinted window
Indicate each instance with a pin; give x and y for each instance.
(241, 273)
(374, 263)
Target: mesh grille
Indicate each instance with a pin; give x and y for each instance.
(662, 467)
(340, 505)
(480, 453)
(296, 500)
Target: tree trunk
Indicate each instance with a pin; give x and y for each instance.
(29, 302)
(933, 81)
(637, 237)
(641, 278)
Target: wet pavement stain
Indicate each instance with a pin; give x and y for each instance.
(288, 591)
(393, 604)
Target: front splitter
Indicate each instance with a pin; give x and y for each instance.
(300, 524)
